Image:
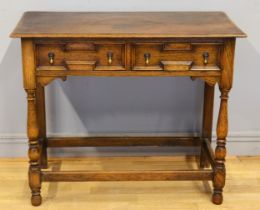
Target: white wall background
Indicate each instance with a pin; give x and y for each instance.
(147, 105)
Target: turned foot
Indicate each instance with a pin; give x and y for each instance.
(36, 200)
(217, 198)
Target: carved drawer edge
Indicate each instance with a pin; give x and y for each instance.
(51, 68)
(191, 68)
(79, 46)
(176, 65)
(147, 68)
(81, 65)
(177, 46)
(139, 68)
(205, 68)
(109, 68)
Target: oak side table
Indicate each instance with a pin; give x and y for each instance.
(199, 45)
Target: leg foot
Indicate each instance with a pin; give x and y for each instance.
(36, 200)
(217, 198)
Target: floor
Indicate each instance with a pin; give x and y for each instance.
(242, 189)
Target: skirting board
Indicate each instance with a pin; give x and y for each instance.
(239, 143)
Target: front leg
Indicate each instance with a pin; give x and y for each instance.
(34, 149)
(220, 152)
(29, 70)
(225, 84)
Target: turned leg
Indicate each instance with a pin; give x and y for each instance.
(220, 151)
(207, 120)
(29, 79)
(225, 84)
(42, 125)
(34, 149)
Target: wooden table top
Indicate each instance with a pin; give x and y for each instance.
(126, 25)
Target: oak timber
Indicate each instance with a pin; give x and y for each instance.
(61, 44)
(126, 25)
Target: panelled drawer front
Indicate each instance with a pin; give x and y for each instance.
(174, 56)
(82, 56)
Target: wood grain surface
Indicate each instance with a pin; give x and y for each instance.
(126, 24)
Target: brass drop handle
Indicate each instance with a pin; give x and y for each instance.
(110, 57)
(147, 57)
(51, 56)
(205, 58)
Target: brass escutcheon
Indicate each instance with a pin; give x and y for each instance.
(205, 58)
(51, 56)
(109, 57)
(147, 57)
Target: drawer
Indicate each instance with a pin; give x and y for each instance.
(89, 56)
(174, 56)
